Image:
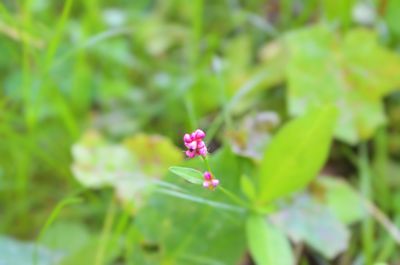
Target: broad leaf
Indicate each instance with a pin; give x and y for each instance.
(352, 71)
(308, 221)
(267, 244)
(296, 154)
(189, 174)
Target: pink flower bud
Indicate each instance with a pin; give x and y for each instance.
(194, 143)
(214, 182)
(199, 134)
(191, 145)
(206, 184)
(200, 144)
(187, 138)
(202, 151)
(207, 175)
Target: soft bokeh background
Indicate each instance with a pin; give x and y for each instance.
(96, 95)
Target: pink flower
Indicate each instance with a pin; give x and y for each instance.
(195, 144)
(209, 181)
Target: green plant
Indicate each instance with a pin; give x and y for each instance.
(290, 162)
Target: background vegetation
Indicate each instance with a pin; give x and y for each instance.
(96, 96)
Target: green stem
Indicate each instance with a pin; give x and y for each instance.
(205, 159)
(54, 214)
(367, 226)
(105, 233)
(234, 198)
(229, 194)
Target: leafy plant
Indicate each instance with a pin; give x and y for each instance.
(292, 159)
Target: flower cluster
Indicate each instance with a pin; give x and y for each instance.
(209, 181)
(195, 144)
(196, 147)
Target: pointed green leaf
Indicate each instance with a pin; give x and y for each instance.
(296, 154)
(247, 187)
(267, 244)
(189, 174)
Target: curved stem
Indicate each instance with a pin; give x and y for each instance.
(234, 198)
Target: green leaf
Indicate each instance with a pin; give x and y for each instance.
(392, 16)
(296, 154)
(339, 11)
(189, 174)
(247, 187)
(351, 71)
(267, 244)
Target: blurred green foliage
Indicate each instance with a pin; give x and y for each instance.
(142, 73)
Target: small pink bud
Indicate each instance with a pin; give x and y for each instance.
(199, 134)
(214, 182)
(187, 138)
(206, 184)
(194, 143)
(202, 151)
(207, 175)
(200, 144)
(191, 145)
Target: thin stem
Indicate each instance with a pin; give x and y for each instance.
(229, 194)
(54, 214)
(105, 233)
(205, 159)
(234, 198)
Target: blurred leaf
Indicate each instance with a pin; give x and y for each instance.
(98, 163)
(307, 221)
(353, 72)
(14, 252)
(342, 200)
(86, 254)
(189, 174)
(66, 236)
(296, 154)
(392, 16)
(253, 134)
(339, 11)
(155, 153)
(267, 244)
